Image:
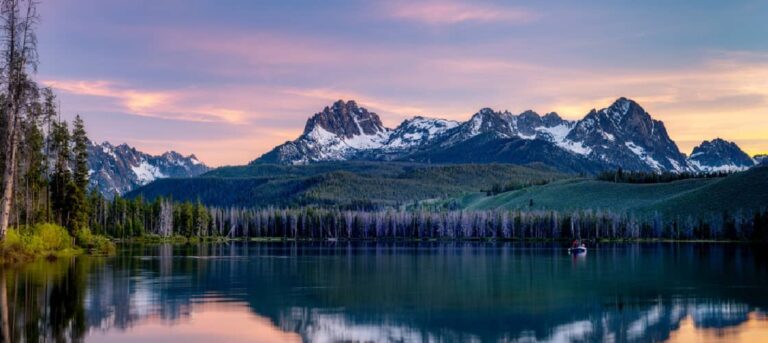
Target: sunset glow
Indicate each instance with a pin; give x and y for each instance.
(245, 77)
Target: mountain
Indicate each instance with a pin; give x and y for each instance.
(719, 155)
(622, 135)
(118, 169)
(345, 131)
(335, 134)
(761, 159)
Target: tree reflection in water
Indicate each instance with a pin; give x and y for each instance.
(388, 292)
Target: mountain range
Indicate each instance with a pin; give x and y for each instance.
(115, 170)
(622, 135)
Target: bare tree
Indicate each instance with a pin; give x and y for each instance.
(19, 54)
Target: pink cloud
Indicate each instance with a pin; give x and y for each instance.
(172, 105)
(447, 13)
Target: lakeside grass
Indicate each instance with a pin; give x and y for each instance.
(51, 242)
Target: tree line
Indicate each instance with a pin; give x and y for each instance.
(124, 218)
(622, 176)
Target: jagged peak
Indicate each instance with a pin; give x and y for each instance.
(552, 119)
(345, 119)
(422, 119)
(487, 111)
(717, 143)
(349, 104)
(622, 106)
(529, 114)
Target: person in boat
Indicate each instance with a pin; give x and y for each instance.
(575, 244)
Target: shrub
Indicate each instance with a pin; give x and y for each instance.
(13, 249)
(50, 238)
(95, 244)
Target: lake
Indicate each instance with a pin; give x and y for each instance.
(401, 292)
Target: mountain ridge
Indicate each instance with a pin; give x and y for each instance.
(118, 169)
(622, 135)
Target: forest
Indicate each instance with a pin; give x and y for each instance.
(622, 176)
(124, 219)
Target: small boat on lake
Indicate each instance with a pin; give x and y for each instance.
(577, 248)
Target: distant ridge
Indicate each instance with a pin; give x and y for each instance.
(622, 135)
(115, 170)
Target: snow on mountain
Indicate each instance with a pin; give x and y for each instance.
(622, 135)
(719, 155)
(335, 134)
(417, 131)
(118, 169)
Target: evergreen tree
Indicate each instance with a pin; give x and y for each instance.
(79, 215)
(61, 179)
(33, 179)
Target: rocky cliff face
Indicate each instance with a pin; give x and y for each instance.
(337, 133)
(622, 135)
(719, 155)
(115, 170)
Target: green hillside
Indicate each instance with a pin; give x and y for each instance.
(349, 184)
(747, 190)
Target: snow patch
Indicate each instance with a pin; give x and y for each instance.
(575, 147)
(724, 168)
(556, 133)
(643, 155)
(146, 173)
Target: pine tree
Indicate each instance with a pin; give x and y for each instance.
(61, 180)
(34, 169)
(79, 215)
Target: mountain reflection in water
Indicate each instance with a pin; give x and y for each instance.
(456, 291)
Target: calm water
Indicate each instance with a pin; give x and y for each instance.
(273, 292)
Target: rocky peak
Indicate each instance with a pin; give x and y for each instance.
(489, 121)
(719, 155)
(527, 122)
(624, 134)
(345, 119)
(551, 119)
(417, 131)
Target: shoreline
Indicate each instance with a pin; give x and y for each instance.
(195, 240)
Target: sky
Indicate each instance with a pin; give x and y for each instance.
(228, 80)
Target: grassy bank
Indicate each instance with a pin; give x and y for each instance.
(50, 241)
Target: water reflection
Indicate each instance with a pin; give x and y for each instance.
(391, 292)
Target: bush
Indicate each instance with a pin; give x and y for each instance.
(95, 244)
(13, 249)
(41, 240)
(50, 240)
